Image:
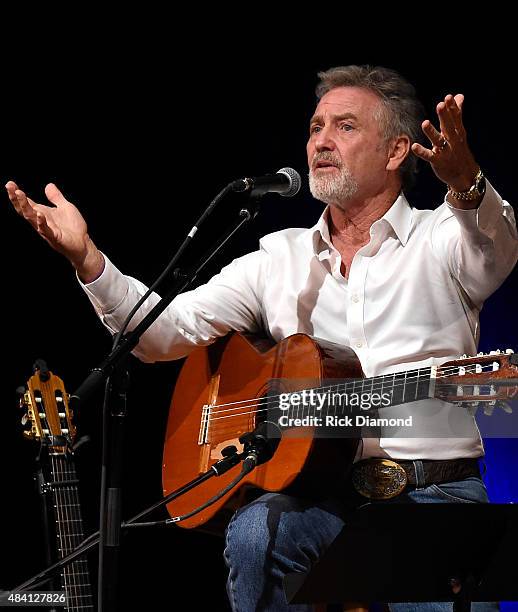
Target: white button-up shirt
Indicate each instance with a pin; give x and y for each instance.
(412, 300)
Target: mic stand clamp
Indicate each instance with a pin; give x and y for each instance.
(261, 443)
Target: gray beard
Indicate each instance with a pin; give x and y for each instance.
(333, 189)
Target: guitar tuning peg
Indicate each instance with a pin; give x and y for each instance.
(20, 390)
(489, 407)
(505, 406)
(28, 431)
(509, 351)
(480, 354)
(464, 356)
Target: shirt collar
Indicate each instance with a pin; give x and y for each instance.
(398, 217)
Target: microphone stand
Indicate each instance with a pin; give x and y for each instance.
(113, 419)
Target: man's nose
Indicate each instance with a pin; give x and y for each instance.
(324, 140)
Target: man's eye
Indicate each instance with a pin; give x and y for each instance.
(314, 129)
(346, 127)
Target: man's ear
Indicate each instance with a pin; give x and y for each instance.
(398, 150)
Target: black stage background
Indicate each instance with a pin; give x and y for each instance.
(141, 138)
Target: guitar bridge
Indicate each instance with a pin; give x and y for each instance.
(203, 437)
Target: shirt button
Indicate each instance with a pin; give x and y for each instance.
(359, 345)
(355, 298)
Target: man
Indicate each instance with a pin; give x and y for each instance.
(402, 287)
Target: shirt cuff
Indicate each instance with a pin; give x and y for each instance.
(109, 290)
(483, 219)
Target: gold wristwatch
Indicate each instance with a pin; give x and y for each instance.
(476, 190)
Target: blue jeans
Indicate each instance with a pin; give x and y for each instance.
(278, 534)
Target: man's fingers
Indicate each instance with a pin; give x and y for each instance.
(446, 119)
(459, 101)
(455, 108)
(431, 133)
(43, 227)
(11, 188)
(54, 195)
(422, 152)
(25, 208)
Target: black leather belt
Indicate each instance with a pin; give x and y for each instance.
(378, 478)
(439, 471)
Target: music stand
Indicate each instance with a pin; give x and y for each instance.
(412, 552)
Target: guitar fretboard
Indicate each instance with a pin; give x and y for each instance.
(363, 393)
(69, 531)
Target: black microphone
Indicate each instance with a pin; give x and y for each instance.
(286, 182)
(261, 443)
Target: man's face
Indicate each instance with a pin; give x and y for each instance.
(347, 155)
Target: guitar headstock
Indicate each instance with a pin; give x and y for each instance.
(48, 417)
(485, 378)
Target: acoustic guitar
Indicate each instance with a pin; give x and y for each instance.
(48, 420)
(230, 387)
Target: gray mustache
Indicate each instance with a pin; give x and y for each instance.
(326, 156)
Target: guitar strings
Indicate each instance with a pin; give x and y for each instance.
(267, 400)
(69, 569)
(266, 409)
(58, 505)
(68, 521)
(259, 410)
(363, 380)
(71, 530)
(80, 565)
(76, 571)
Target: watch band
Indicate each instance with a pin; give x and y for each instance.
(474, 192)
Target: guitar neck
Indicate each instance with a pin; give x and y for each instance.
(69, 531)
(363, 393)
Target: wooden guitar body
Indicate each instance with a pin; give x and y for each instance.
(208, 414)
